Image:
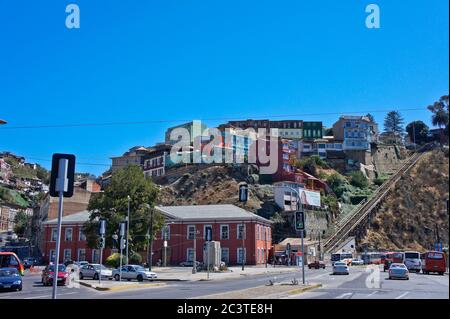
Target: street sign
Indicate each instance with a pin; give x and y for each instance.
(122, 229)
(243, 192)
(59, 162)
(299, 220)
(102, 227)
(208, 234)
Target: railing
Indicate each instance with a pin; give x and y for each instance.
(358, 216)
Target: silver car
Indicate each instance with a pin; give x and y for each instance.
(134, 272)
(340, 268)
(94, 271)
(398, 271)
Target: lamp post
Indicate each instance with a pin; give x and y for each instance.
(194, 266)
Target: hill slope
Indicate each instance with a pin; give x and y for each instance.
(413, 215)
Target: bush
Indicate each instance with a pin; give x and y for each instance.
(380, 180)
(135, 258)
(114, 260)
(337, 184)
(358, 179)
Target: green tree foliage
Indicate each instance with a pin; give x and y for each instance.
(114, 260)
(310, 164)
(337, 183)
(440, 116)
(371, 118)
(358, 179)
(393, 123)
(112, 205)
(21, 223)
(418, 130)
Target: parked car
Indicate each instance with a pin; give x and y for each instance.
(136, 272)
(340, 268)
(49, 273)
(357, 262)
(317, 264)
(398, 271)
(10, 279)
(29, 262)
(433, 261)
(10, 260)
(94, 270)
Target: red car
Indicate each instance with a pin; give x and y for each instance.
(316, 264)
(48, 275)
(10, 260)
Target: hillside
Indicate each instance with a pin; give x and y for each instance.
(414, 214)
(214, 185)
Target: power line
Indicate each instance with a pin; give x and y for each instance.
(243, 118)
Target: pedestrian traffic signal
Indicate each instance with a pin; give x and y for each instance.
(299, 220)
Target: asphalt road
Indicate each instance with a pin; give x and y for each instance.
(362, 283)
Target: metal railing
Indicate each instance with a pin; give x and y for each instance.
(359, 215)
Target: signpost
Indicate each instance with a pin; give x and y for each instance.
(102, 246)
(61, 185)
(122, 245)
(208, 238)
(300, 226)
(243, 197)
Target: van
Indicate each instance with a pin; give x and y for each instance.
(433, 261)
(412, 261)
(10, 260)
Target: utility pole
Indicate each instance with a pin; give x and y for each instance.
(150, 243)
(122, 244)
(243, 245)
(194, 266)
(128, 226)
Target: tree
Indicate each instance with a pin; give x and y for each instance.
(393, 123)
(337, 184)
(112, 205)
(371, 118)
(417, 131)
(440, 113)
(21, 223)
(358, 179)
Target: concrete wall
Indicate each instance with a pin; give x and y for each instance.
(388, 158)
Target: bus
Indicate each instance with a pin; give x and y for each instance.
(412, 261)
(433, 261)
(345, 257)
(393, 257)
(373, 258)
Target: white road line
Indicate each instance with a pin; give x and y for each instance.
(343, 295)
(49, 296)
(402, 295)
(373, 293)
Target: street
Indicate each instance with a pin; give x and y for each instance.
(362, 283)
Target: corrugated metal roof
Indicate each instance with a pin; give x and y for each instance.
(80, 217)
(209, 212)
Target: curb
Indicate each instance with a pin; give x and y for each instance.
(301, 290)
(122, 287)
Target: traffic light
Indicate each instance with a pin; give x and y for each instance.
(101, 243)
(299, 220)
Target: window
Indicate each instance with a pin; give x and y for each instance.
(81, 235)
(52, 255)
(241, 253)
(225, 252)
(67, 254)
(95, 255)
(224, 232)
(190, 254)
(81, 254)
(68, 234)
(54, 234)
(205, 228)
(191, 232)
(241, 231)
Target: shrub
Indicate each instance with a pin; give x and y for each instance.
(358, 179)
(337, 184)
(114, 260)
(135, 258)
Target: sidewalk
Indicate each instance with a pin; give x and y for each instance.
(185, 273)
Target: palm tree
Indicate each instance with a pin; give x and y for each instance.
(440, 113)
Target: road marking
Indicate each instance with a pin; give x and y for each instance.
(46, 296)
(318, 276)
(344, 295)
(402, 295)
(373, 293)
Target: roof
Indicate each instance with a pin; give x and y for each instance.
(209, 212)
(79, 217)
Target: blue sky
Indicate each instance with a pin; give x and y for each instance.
(175, 60)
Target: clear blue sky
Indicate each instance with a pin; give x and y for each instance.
(166, 59)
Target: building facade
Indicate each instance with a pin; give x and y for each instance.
(136, 155)
(156, 162)
(238, 231)
(356, 132)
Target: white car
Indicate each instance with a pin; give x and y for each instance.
(357, 262)
(341, 268)
(94, 270)
(136, 272)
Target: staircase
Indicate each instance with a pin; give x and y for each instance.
(359, 214)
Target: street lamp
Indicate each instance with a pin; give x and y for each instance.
(128, 226)
(194, 266)
(166, 228)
